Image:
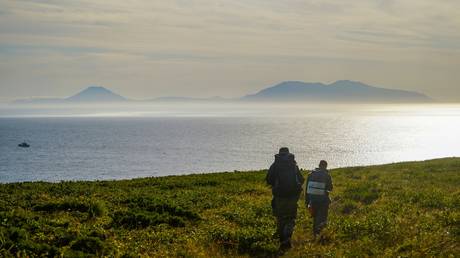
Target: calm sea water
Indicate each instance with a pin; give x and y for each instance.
(142, 144)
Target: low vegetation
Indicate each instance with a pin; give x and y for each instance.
(403, 209)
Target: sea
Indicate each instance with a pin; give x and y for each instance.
(110, 143)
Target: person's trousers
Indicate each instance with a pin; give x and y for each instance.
(320, 212)
(285, 211)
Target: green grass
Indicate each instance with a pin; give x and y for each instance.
(403, 209)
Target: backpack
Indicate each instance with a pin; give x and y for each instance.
(288, 183)
(316, 187)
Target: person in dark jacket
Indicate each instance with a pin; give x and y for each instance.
(318, 186)
(286, 182)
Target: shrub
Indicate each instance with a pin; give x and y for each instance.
(92, 245)
(365, 193)
(96, 209)
(432, 199)
(160, 207)
(16, 240)
(132, 219)
(63, 237)
(256, 241)
(348, 207)
(93, 208)
(378, 226)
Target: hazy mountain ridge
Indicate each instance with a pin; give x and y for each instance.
(188, 99)
(39, 101)
(288, 91)
(339, 91)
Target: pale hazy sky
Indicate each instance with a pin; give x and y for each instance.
(152, 48)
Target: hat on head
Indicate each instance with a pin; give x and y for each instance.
(284, 150)
(323, 164)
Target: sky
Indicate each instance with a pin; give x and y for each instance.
(201, 48)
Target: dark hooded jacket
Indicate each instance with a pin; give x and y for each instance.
(284, 176)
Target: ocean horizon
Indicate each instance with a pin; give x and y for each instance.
(132, 142)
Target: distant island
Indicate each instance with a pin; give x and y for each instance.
(92, 94)
(96, 94)
(339, 91)
(288, 91)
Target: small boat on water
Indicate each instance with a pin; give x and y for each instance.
(24, 145)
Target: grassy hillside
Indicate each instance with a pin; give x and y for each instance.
(405, 209)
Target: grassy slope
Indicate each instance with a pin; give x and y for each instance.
(407, 209)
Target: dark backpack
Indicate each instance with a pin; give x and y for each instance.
(288, 183)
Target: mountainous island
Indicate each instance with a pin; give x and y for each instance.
(96, 94)
(92, 94)
(288, 91)
(339, 91)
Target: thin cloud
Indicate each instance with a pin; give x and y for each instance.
(255, 42)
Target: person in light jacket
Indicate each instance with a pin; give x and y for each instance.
(318, 186)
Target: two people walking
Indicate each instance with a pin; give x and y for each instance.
(286, 182)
